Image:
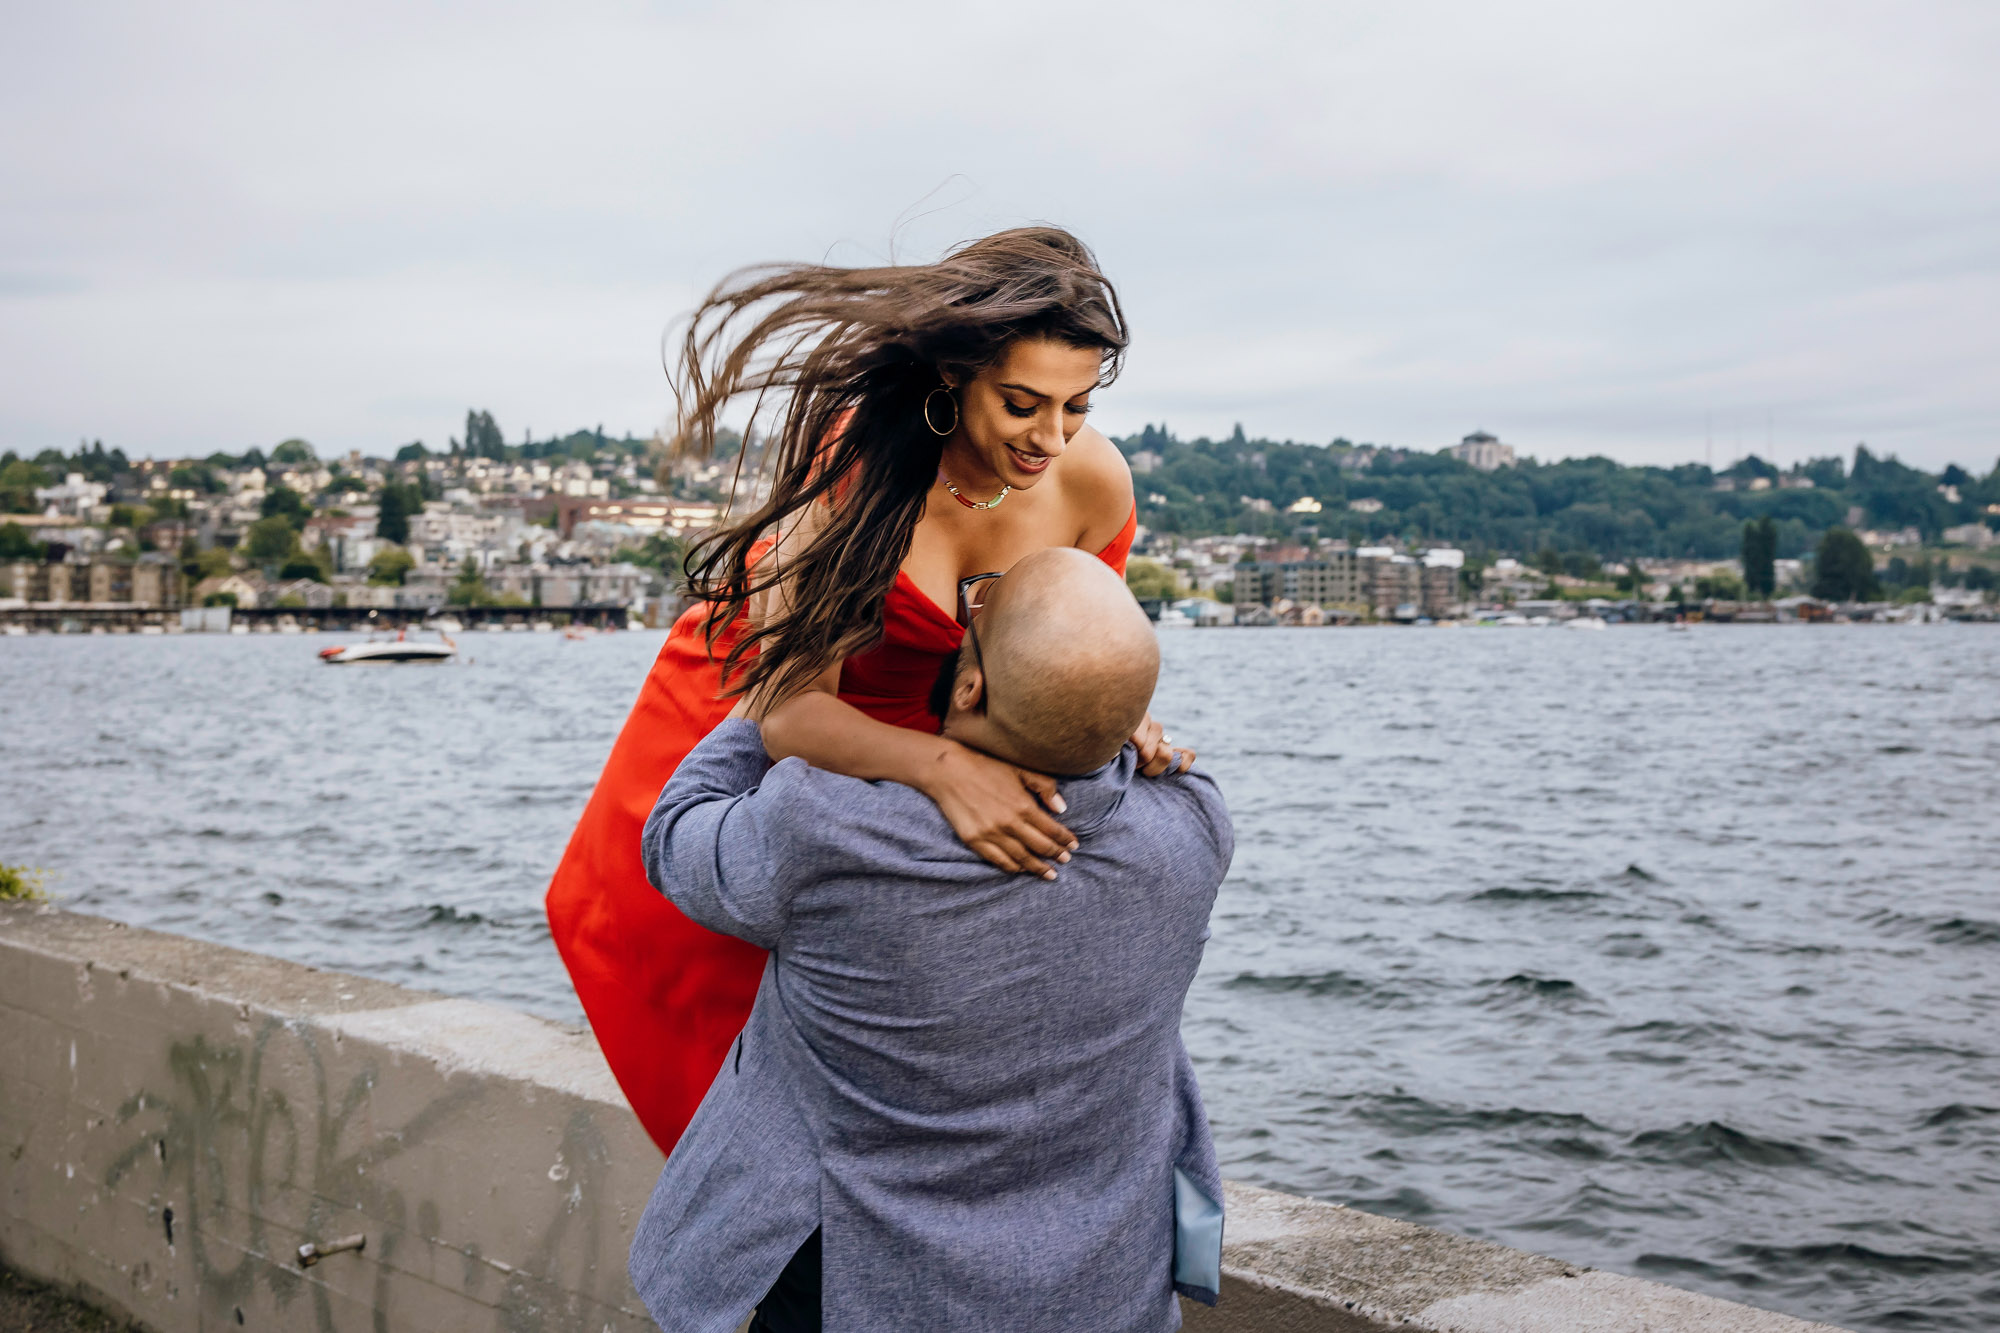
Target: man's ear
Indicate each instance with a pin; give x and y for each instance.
(968, 691)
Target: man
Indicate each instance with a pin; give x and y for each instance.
(961, 1101)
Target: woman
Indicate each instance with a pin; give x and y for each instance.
(933, 428)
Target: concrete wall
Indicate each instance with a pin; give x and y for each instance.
(177, 1118)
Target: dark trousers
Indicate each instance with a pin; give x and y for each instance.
(792, 1305)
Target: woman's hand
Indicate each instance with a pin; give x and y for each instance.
(1157, 754)
(997, 809)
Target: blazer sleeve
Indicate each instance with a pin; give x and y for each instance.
(716, 842)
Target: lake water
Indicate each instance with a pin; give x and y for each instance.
(1673, 954)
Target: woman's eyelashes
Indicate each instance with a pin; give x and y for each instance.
(1026, 413)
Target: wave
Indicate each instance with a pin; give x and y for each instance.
(1955, 1112)
(1291, 754)
(1524, 987)
(1413, 1115)
(1509, 894)
(1807, 1260)
(1711, 1141)
(1319, 985)
(444, 914)
(1958, 930)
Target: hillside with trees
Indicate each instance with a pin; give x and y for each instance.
(1590, 506)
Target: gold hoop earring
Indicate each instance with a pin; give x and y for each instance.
(944, 389)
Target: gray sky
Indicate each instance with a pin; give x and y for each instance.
(1586, 227)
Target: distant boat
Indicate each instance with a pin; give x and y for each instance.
(398, 649)
(1173, 617)
(1587, 622)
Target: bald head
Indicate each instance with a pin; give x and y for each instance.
(1070, 663)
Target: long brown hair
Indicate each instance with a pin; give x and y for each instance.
(849, 355)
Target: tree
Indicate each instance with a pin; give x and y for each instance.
(482, 436)
(470, 589)
(285, 503)
(270, 540)
(390, 566)
(1843, 571)
(293, 452)
(18, 480)
(1149, 578)
(1760, 555)
(392, 519)
(661, 550)
(198, 564)
(413, 452)
(16, 544)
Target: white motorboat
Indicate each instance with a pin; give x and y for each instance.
(1587, 622)
(1173, 617)
(398, 649)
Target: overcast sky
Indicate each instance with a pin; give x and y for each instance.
(1588, 228)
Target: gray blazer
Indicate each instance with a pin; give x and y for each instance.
(973, 1082)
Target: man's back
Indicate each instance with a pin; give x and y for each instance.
(972, 1081)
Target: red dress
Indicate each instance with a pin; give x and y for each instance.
(665, 996)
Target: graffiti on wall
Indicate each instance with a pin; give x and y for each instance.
(257, 1146)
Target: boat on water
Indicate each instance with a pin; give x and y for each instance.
(1587, 622)
(1173, 617)
(398, 649)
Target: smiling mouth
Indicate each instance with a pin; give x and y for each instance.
(1028, 462)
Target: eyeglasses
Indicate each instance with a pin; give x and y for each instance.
(971, 596)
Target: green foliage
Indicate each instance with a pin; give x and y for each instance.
(291, 599)
(284, 502)
(661, 551)
(1917, 573)
(1981, 578)
(413, 452)
(1760, 554)
(293, 452)
(302, 567)
(271, 540)
(390, 567)
(482, 436)
(19, 884)
(398, 501)
(470, 588)
(18, 480)
(1722, 587)
(210, 564)
(1843, 571)
(1576, 507)
(1910, 596)
(16, 544)
(219, 599)
(195, 477)
(1149, 578)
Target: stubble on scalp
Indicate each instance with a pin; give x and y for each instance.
(1071, 662)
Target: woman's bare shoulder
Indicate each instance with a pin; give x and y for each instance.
(1099, 483)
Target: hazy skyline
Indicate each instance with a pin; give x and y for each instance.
(1588, 229)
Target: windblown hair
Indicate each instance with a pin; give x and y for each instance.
(847, 357)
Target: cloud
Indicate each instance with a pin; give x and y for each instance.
(1588, 228)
